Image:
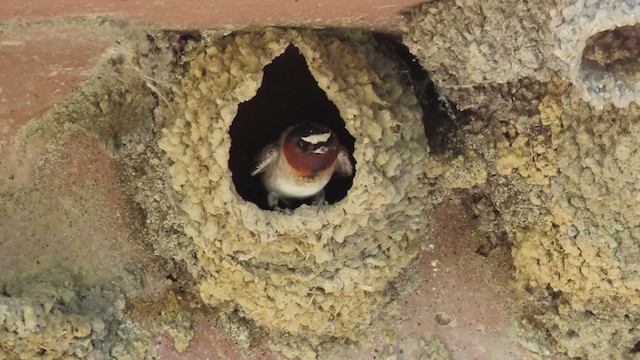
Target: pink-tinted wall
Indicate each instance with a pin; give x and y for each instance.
(191, 14)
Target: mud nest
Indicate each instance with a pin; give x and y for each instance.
(317, 270)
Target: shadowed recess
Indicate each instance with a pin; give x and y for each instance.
(441, 119)
(610, 60)
(619, 47)
(289, 95)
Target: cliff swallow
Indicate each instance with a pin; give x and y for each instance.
(301, 163)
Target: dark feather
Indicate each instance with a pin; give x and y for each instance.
(344, 167)
(268, 155)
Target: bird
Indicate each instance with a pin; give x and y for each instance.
(300, 164)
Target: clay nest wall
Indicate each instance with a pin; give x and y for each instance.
(551, 93)
(315, 272)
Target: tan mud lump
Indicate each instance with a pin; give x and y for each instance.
(317, 271)
(51, 315)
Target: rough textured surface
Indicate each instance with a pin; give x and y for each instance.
(542, 162)
(574, 23)
(316, 271)
(72, 210)
(469, 43)
(594, 204)
(51, 316)
(561, 159)
(587, 247)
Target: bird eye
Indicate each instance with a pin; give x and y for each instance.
(301, 144)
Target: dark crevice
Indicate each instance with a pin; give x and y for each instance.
(289, 95)
(441, 119)
(615, 47)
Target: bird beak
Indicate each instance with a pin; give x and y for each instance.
(321, 150)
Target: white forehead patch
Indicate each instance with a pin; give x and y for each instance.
(317, 138)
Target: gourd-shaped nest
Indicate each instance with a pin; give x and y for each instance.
(316, 270)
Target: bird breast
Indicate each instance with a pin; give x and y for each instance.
(286, 181)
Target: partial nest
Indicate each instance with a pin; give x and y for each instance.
(598, 44)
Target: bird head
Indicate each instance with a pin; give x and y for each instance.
(310, 147)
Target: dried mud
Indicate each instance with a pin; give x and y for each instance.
(314, 272)
(569, 156)
(544, 163)
(52, 316)
(68, 286)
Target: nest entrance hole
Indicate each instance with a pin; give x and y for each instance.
(289, 95)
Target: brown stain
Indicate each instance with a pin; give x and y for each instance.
(63, 217)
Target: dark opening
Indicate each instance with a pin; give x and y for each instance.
(636, 348)
(617, 47)
(441, 119)
(289, 95)
(612, 54)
